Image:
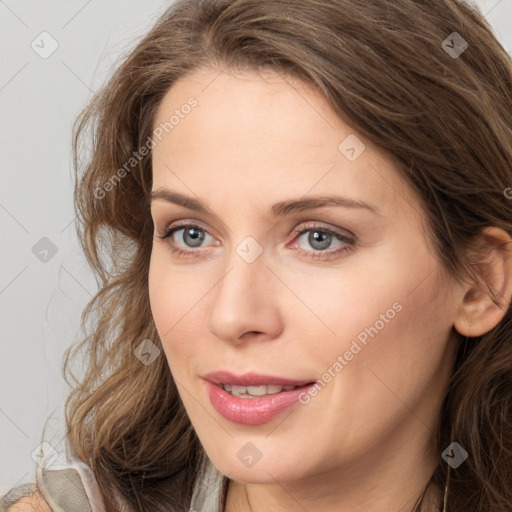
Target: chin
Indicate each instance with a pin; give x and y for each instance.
(264, 471)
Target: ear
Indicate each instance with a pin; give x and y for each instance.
(477, 313)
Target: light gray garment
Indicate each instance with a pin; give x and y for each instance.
(207, 495)
(71, 487)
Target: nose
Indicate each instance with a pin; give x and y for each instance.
(244, 303)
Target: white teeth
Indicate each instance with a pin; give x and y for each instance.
(238, 390)
(255, 391)
(273, 389)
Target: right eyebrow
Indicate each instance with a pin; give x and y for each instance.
(179, 199)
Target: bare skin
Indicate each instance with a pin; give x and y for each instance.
(31, 503)
(364, 442)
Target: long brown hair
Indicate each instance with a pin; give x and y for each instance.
(445, 119)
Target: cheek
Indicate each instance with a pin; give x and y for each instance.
(393, 349)
(175, 298)
(386, 354)
(392, 316)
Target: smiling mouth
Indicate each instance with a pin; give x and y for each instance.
(257, 391)
(249, 400)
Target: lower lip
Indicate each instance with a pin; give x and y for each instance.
(252, 411)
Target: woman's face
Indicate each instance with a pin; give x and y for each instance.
(266, 282)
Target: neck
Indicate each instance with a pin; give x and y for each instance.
(387, 479)
(240, 499)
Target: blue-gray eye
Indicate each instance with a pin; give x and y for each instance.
(319, 240)
(193, 236)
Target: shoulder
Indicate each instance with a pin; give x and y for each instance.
(24, 498)
(58, 488)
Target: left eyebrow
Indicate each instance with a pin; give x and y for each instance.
(310, 203)
(278, 210)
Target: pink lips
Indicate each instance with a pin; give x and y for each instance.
(252, 411)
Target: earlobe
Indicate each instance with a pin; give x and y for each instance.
(478, 313)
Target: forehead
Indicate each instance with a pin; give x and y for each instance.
(262, 133)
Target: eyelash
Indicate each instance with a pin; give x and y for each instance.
(323, 254)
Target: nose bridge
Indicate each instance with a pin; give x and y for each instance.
(243, 285)
(247, 264)
(242, 301)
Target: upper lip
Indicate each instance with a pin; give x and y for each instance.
(253, 379)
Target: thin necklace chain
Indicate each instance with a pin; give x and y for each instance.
(420, 500)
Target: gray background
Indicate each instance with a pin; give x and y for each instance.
(42, 294)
